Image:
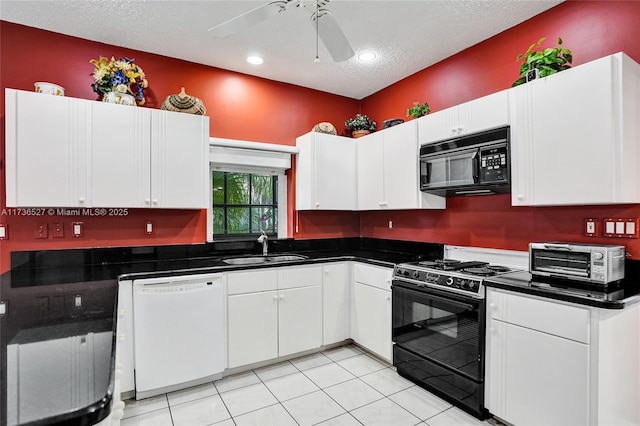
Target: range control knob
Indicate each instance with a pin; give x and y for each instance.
(449, 281)
(597, 255)
(415, 275)
(405, 273)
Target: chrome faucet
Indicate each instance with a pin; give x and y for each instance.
(263, 239)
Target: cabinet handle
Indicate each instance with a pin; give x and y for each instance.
(81, 200)
(155, 202)
(520, 197)
(147, 201)
(382, 203)
(326, 272)
(275, 297)
(121, 313)
(492, 306)
(317, 204)
(121, 337)
(282, 297)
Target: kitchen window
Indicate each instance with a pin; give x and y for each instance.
(244, 204)
(248, 189)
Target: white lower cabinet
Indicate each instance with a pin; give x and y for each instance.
(336, 302)
(371, 309)
(557, 363)
(253, 327)
(273, 312)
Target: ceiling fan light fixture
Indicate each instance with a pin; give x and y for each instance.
(366, 56)
(255, 60)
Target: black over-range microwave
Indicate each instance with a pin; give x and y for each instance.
(474, 164)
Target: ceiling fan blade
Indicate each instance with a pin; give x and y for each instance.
(248, 19)
(332, 36)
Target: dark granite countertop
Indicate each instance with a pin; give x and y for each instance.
(613, 296)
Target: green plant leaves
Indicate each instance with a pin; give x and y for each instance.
(548, 61)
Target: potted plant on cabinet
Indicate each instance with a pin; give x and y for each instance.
(417, 110)
(542, 63)
(361, 125)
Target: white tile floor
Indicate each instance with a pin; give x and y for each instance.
(341, 386)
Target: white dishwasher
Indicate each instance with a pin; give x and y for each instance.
(179, 332)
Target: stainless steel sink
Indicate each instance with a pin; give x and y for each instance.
(254, 260)
(244, 260)
(286, 258)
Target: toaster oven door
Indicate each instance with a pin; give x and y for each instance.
(562, 263)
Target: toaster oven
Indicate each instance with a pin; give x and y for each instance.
(597, 264)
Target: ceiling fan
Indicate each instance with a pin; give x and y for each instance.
(327, 29)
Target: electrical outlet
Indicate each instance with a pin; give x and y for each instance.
(591, 227)
(57, 230)
(148, 229)
(4, 231)
(41, 231)
(77, 229)
(77, 301)
(390, 224)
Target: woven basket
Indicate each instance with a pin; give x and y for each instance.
(184, 103)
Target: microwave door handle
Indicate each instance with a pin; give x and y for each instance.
(475, 159)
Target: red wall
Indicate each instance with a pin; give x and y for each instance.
(281, 112)
(591, 29)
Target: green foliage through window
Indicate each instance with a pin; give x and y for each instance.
(244, 204)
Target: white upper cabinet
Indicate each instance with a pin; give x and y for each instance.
(326, 172)
(470, 117)
(118, 163)
(47, 166)
(179, 160)
(66, 152)
(388, 171)
(575, 136)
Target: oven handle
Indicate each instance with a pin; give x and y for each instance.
(463, 305)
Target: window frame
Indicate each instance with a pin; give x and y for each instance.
(282, 201)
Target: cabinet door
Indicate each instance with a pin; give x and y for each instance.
(253, 327)
(120, 174)
(486, 113)
(335, 303)
(535, 378)
(179, 159)
(438, 125)
(370, 168)
(299, 319)
(367, 317)
(568, 137)
(335, 185)
(401, 166)
(45, 150)
(305, 170)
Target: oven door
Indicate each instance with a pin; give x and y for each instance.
(444, 328)
(439, 344)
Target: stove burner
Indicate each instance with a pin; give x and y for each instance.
(498, 268)
(481, 271)
(450, 264)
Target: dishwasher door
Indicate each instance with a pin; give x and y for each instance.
(179, 332)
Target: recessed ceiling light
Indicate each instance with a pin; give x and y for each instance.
(367, 56)
(255, 60)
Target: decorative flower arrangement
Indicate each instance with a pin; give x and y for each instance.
(360, 122)
(120, 75)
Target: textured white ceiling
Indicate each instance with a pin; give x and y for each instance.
(407, 36)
